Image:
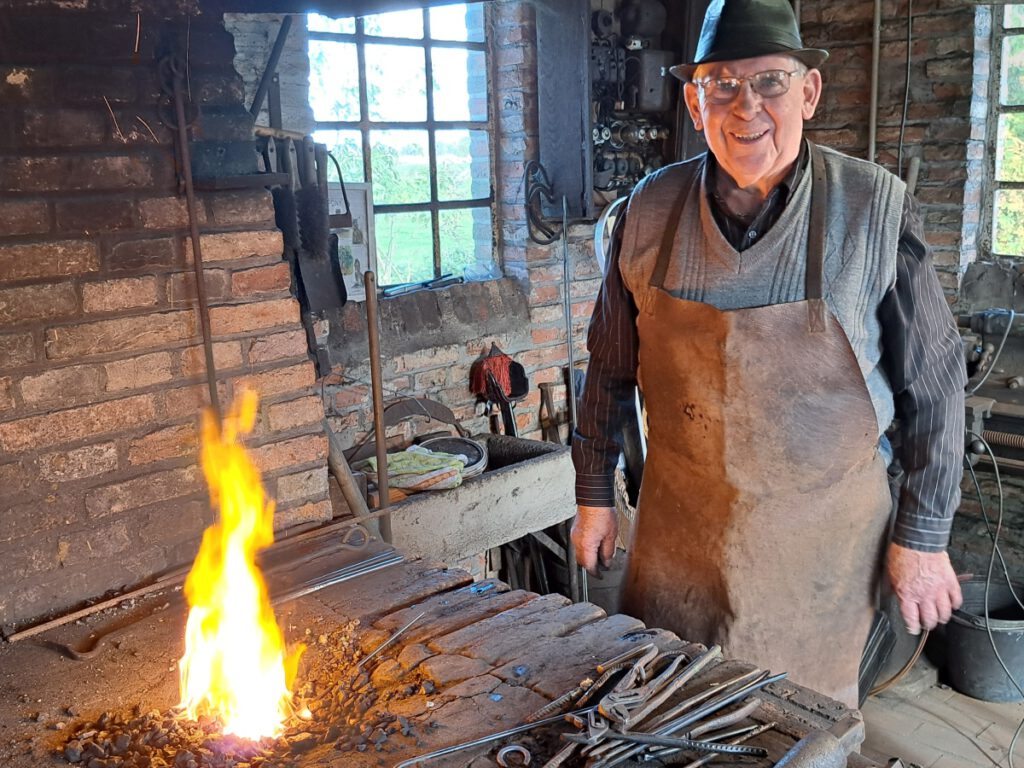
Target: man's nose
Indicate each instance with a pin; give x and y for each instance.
(747, 102)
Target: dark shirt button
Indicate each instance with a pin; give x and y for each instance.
(752, 234)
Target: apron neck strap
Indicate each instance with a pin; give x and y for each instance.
(815, 277)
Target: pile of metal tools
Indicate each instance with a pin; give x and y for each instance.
(643, 715)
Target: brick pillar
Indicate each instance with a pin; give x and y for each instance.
(101, 363)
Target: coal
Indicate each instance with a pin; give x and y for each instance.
(338, 707)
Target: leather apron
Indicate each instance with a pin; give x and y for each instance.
(764, 507)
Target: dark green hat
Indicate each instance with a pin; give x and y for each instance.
(743, 29)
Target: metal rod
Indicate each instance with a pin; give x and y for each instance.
(271, 68)
(377, 387)
(739, 740)
(567, 298)
(390, 640)
(177, 77)
(912, 172)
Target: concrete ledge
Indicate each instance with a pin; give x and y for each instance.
(529, 488)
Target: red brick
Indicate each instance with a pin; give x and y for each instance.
(545, 294)
(70, 385)
(139, 372)
(305, 485)
(234, 208)
(287, 453)
(16, 349)
(167, 213)
(430, 380)
(193, 399)
(228, 246)
(542, 356)
(143, 491)
(15, 478)
(78, 463)
(242, 318)
(356, 395)
(24, 217)
(119, 335)
(94, 215)
(113, 295)
(295, 413)
(277, 346)
(307, 513)
(74, 424)
(428, 358)
(181, 287)
(143, 254)
(6, 394)
(272, 279)
(278, 380)
(226, 355)
(56, 258)
(37, 302)
(75, 173)
(547, 335)
(170, 443)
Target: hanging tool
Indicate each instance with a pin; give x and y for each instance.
(271, 68)
(321, 277)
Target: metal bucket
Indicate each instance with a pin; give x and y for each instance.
(973, 668)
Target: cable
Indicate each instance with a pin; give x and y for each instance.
(906, 91)
(904, 669)
(988, 527)
(988, 585)
(995, 359)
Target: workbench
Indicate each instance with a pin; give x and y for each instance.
(477, 659)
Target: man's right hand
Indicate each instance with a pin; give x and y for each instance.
(593, 534)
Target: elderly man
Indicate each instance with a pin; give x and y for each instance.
(776, 304)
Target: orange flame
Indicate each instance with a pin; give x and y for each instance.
(235, 666)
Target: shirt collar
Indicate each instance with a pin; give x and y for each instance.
(784, 188)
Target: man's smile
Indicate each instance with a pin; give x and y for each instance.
(748, 137)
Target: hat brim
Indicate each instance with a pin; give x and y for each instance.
(812, 58)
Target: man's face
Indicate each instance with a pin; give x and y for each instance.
(755, 139)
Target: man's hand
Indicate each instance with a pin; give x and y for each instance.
(593, 535)
(925, 585)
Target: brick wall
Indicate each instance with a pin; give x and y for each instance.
(101, 362)
(939, 117)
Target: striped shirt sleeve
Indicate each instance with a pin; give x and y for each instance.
(609, 389)
(924, 360)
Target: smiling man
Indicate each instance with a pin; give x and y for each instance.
(776, 303)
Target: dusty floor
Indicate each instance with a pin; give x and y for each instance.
(925, 722)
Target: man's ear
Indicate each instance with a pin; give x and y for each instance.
(692, 99)
(812, 93)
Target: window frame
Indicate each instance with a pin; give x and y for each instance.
(364, 125)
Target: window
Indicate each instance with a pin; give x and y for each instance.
(426, 151)
(1008, 120)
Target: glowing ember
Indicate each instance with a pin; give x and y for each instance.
(235, 666)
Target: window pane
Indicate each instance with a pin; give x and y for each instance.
(405, 247)
(396, 83)
(347, 148)
(398, 24)
(463, 165)
(401, 171)
(458, 22)
(460, 84)
(1011, 89)
(1014, 16)
(333, 80)
(1010, 148)
(465, 240)
(1008, 234)
(318, 23)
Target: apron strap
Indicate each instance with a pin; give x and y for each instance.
(668, 239)
(814, 285)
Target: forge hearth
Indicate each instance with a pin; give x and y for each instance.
(479, 660)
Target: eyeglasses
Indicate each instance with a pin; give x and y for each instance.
(768, 84)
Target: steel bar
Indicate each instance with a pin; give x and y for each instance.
(676, 744)
(691, 670)
(739, 740)
(271, 68)
(488, 739)
(176, 70)
(390, 640)
(362, 569)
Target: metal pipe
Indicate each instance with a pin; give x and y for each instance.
(912, 171)
(268, 73)
(876, 38)
(177, 71)
(370, 284)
